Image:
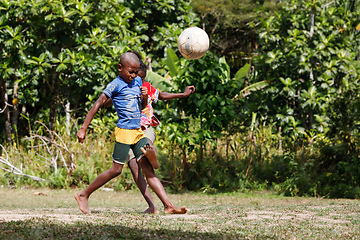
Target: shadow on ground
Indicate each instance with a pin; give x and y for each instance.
(40, 228)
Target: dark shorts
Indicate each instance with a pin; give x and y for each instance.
(150, 134)
(121, 150)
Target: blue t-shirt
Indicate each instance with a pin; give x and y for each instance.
(126, 98)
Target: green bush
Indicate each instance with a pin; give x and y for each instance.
(252, 160)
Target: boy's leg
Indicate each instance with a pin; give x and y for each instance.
(142, 185)
(83, 196)
(119, 158)
(158, 188)
(153, 181)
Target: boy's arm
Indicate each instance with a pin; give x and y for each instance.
(82, 132)
(108, 103)
(170, 96)
(144, 97)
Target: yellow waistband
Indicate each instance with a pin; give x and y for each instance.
(128, 136)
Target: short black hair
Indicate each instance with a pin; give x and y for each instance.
(143, 66)
(137, 54)
(130, 55)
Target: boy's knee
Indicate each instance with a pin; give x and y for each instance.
(115, 172)
(116, 169)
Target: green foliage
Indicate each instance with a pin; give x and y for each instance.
(309, 56)
(89, 160)
(330, 173)
(218, 174)
(236, 13)
(223, 168)
(212, 101)
(162, 22)
(308, 53)
(257, 160)
(343, 114)
(171, 60)
(158, 81)
(59, 51)
(291, 124)
(229, 25)
(58, 180)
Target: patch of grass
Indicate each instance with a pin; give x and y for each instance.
(117, 215)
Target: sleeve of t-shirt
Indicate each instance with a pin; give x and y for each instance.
(110, 89)
(152, 92)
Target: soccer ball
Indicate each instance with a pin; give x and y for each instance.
(193, 43)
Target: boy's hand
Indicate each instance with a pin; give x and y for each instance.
(81, 135)
(189, 90)
(144, 97)
(144, 92)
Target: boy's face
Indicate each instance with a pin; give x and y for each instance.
(142, 74)
(128, 71)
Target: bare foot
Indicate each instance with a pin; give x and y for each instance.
(83, 203)
(175, 210)
(150, 153)
(151, 210)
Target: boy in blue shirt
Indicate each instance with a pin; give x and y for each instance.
(129, 98)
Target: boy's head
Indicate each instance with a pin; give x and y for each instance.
(128, 66)
(142, 70)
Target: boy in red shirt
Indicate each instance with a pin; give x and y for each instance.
(148, 121)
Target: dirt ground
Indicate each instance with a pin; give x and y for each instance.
(70, 215)
(236, 214)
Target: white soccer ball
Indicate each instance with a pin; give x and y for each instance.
(193, 43)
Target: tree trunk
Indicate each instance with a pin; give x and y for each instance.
(5, 110)
(201, 142)
(185, 164)
(67, 117)
(311, 75)
(15, 112)
(312, 23)
(54, 100)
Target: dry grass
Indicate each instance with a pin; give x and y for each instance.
(53, 214)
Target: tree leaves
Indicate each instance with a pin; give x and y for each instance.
(242, 72)
(171, 60)
(304, 67)
(70, 46)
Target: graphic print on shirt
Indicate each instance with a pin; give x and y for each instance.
(132, 106)
(110, 87)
